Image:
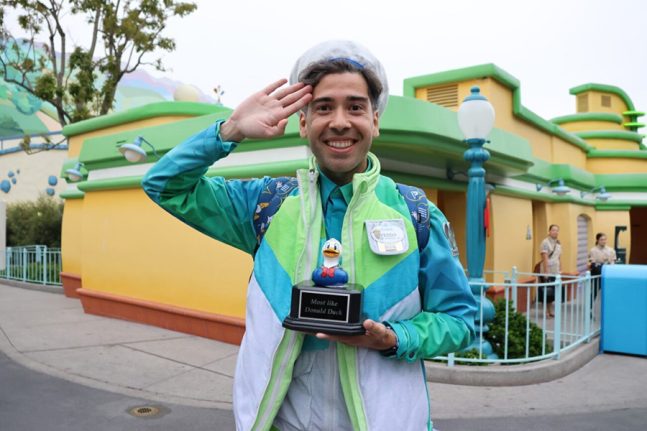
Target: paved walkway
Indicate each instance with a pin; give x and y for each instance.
(50, 333)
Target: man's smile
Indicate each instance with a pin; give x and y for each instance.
(339, 143)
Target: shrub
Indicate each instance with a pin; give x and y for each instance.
(516, 333)
(35, 222)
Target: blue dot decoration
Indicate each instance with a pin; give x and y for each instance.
(5, 186)
(10, 174)
(50, 191)
(13, 180)
(52, 180)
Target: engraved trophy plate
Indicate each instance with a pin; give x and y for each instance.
(327, 304)
(331, 310)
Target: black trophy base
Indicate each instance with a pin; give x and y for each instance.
(313, 327)
(335, 310)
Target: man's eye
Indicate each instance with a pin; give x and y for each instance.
(322, 108)
(356, 107)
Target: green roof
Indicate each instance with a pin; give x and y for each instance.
(160, 109)
(624, 135)
(589, 116)
(503, 77)
(603, 88)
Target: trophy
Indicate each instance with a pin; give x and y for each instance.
(327, 303)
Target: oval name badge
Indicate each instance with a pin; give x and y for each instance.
(387, 237)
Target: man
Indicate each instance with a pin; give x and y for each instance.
(418, 303)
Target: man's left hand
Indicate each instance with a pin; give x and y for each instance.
(377, 337)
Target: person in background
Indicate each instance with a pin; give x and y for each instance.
(601, 254)
(551, 253)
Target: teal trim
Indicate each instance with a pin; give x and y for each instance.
(611, 134)
(501, 76)
(603, 88)
(617, 154)
(72, 194)
(589, 116)
(160, 109)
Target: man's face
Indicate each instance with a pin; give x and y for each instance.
(340, 124)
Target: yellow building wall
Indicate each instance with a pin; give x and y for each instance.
(581, 126)
(616, 166)
(71, 244)
(612, 144)
(511, 218)
(565, 153)
(76, 142)
(606, 221)
(139, 251)
(452, 204)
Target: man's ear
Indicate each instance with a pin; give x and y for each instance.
(376, 124)
(303, 132)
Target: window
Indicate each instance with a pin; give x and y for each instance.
(582, 103)
(446, 95)
(606, 100)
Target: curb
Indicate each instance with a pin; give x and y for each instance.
(32, 286)
(514, 375)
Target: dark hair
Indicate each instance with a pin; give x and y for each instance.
(314, 73)
(552, 226)
(598, 236)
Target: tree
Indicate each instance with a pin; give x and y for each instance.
(35, 222)
(123, 34)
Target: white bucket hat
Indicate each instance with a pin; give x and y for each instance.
(344, 50)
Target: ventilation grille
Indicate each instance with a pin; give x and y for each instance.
(446, 96)
(583, 103)
(606, 101)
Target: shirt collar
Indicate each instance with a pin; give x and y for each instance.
(327, 186)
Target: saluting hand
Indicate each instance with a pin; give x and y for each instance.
(265, 114)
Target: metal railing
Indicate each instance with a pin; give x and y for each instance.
(32, 264)
(575, 321)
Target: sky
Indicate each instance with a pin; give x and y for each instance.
(549, 46)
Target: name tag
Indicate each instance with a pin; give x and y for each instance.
(387, 237)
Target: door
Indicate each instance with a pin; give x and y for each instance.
(582, 243)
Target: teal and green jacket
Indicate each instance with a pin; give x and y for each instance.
(423, 295)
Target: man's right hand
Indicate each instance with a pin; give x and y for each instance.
(265, 114)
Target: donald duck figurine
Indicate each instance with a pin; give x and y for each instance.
(330, 273)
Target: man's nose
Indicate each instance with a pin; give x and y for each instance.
(339, 120)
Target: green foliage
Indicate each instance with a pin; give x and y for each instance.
(35, 222)
(516, 333)
(469, 354)
(128, 31)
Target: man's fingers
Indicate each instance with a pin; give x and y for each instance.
(297, 105)
(293, 96)
(285, 91)
(274, 86)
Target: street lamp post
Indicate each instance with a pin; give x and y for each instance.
(475, 119)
